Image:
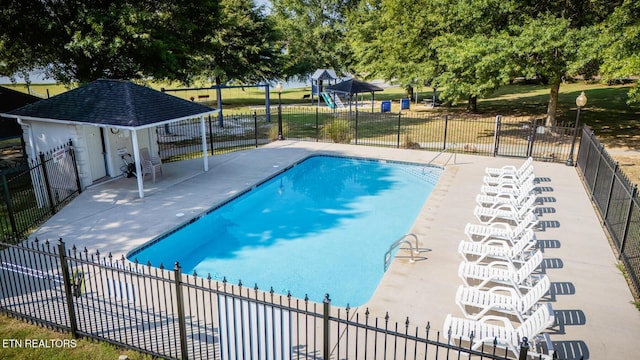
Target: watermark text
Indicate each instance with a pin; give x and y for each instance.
(38, 343)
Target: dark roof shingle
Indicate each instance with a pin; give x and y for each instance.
(353, 86)
(114, 103)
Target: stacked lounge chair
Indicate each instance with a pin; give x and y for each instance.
(501, 298)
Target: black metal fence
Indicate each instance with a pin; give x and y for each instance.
(499, 136)
(616, 199)
(36, 191)
(168, 314)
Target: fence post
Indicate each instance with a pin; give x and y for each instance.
(210, 133)
(317, 128)
(181, 317)
(634, 193)
(446, 127)
(326, 342)
(524, 348)
(356, 129)
(72, 152)
(66, 278)
(43, 164)
(532, 137)
(7, 198)
(613, 181)
(255, 126)
(496, 135)
(399, 118)
(595, 178)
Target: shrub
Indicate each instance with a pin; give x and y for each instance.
(273, 131)
(338, 131)
(409, 143)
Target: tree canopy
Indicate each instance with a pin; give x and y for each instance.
(467, 48)
(473, 47)
(616, 45)
(314, 35)
(80, 41)
(245, 47)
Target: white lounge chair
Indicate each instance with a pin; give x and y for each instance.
(501, 299)
(501, 230)
(510, 169)
(509, 199)
(518, 252)
(501, 272)
(505, 334)
(150, 164)
(504, 212)
(508, 178)
(527, 186)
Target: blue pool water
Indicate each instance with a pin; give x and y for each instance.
(322, 226)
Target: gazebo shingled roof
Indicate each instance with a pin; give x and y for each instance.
(112, 103)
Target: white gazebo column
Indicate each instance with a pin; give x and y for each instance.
(204, 143)
(136, 158)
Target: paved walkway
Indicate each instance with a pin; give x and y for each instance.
(595, 315)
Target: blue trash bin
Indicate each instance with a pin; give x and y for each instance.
(405, 103)
(385, 106)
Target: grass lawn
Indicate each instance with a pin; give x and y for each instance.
(13, 329)
(607, 113)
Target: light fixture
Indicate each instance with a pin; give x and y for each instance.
(581, 100)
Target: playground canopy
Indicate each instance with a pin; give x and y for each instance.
(354, 86)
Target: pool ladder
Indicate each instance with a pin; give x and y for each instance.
(403, 240)
(451, 155)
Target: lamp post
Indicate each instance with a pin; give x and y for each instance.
(279, 91)
(581, 101)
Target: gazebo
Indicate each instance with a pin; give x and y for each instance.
(354, 87)
(103, 118)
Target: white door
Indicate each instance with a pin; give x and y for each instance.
(95, 150)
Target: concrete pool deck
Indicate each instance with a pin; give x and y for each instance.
(594, 311)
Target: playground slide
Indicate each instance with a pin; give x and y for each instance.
(328, 100)
(332, 102)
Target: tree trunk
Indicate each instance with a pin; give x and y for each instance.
(472, 106)
(553, 104)
(409, 90)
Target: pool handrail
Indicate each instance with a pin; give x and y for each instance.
(451, 155)
(401, 240)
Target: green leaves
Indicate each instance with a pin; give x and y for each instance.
(245, 47)
(85, 40)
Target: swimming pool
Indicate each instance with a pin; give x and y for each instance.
(321, 226)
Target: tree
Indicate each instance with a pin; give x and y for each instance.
(618, 45)
(440, 43)
(246, 47)
(391, 40)
(549, 42)
(545, 54)
(472, 67)
(314, 35)
(472, 47)
(81, 41)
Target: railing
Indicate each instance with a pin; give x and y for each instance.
(402, 240)
(616, 200)
(171, 315)
(31, 196)
(500, 136)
